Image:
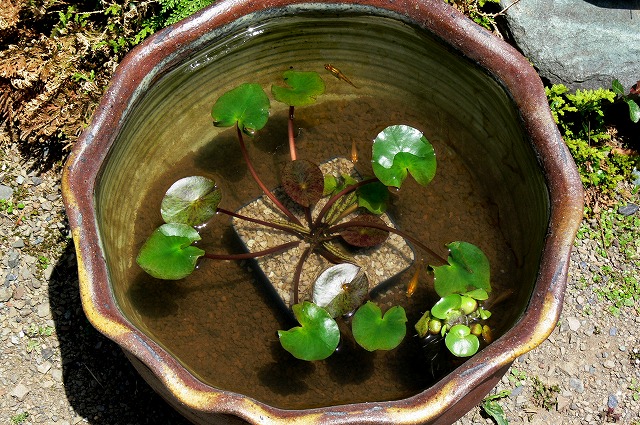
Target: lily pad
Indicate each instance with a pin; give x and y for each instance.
(303, 88)
(468, 269)
(168, 254)
(302, 180)
(363, 236)
(446, 306)
(399, 150)
(374, 332)
(317, 337)
(247, 105)
(461, 342)
(373, 197)
(191, 200)
(340, 289)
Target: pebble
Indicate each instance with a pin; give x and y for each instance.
(613, 331)
(577, 385)
(5, 294)
(20, 391)
(574, 324)
(628, 209)
(5, 192)
(612, 401)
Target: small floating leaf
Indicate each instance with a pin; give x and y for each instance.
(363, 236)
(302, 180)
(446, 305)
(468, 269)
(461, 342)
(191, 200)
(477, 294)
(317, 337)
(341, 288)
(330, 184)
(303, 88)
(401, 149)
(374, 332)
(168, 253)
(247, 105)
(373, 197)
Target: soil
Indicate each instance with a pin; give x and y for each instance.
(55, 368)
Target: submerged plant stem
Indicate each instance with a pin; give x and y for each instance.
(298, 272)
(265, 223)
(292, 141)
(266, 191)
(273, 250)
(355, 223)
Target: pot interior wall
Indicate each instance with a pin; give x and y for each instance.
(167, 133)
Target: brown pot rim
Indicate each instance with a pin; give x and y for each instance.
(168, 47)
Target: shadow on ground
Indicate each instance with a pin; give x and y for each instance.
(100, 383)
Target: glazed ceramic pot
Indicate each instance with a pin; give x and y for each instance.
(480, 98)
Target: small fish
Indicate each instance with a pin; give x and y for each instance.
(413, 283)
(338, 74)
(354, 152)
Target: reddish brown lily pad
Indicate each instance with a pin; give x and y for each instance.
(303, 182)
(365, 236)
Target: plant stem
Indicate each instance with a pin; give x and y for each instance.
(355, 223)
(249, 255)
(292, 142)
(298, 272)
(266, 191)
(337, 196)
(265, 223)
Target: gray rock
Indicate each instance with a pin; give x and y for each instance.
(5, 192)
(581, 44)
(43, 310)
(574, 324)
(5, 294)
(20, 391)
(577, 385)
(612, 402)
(628, 209)
(19, 243)
(56, 374)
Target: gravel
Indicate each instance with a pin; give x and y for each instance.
(58, 369)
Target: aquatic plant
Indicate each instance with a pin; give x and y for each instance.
(349, 218)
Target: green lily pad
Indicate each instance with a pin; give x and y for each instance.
(374, 332)
(374, 197)
(303, 88)
(477, 294)
(446, 305)
(461, 342)
(191, 200)
(302, 180)
(247, 105)
(317, 337)
(468, 269)
(399, 150)
(168, 254)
